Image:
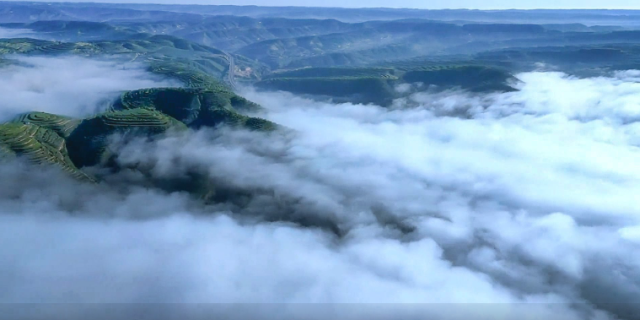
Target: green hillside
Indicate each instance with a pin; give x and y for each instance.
(355, 89)
(72, 144)
(473, 78)
(88, 144)
(193, 64)
(376, 84)
(39, 146)
(63, 126)
(196, 107)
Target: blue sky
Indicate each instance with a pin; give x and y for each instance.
(443, 4)
(425, 4)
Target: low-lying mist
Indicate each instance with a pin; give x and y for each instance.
(10, 33)
(484, 206)
(68, 85)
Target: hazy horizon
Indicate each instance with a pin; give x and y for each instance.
(408, 4)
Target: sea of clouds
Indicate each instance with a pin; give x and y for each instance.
(68, 85)
(9, 33)
(462, 206)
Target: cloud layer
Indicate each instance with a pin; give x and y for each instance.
(71, 86)
(500, 206)
(8, 33)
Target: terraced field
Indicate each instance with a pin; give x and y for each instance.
(195, 107)
(63, 126)
(12, 46)
(88, 144)
(40, 146)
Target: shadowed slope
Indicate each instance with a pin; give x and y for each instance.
(6, 153)
(88, 144)
(197, 107)
(62, 125)
(39, 145)
(473, 78)
(70, 143)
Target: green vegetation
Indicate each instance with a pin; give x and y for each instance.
(88, 144)
(195, 107)
(39, 145)
(63, 126)
(359, 90)
(473, 78)
(376, 84)
(11, 46)
(70, 144)
(193, 64)
(386, 73)
(6, 153)
(362, 85)
(188, 73)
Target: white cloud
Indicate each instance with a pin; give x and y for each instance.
(9, 33)
(70, 86)
(525, 197)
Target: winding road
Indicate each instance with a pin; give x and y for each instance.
(231, 80)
